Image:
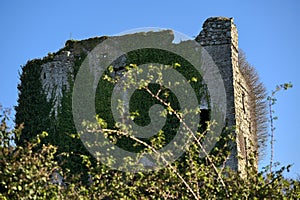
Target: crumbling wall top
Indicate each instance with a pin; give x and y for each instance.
(217, 31)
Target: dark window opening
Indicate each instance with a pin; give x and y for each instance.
(246, 152)
(204, 117)
(243, 102)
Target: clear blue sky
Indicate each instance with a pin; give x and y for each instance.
(269, 33)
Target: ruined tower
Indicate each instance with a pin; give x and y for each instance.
(220, 38)
(46, 87)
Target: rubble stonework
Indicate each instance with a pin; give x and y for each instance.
(220, 38)
(55, 78)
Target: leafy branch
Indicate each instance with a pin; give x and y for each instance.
(272, 101)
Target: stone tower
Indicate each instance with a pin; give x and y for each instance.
(220, 38)
(54, 75)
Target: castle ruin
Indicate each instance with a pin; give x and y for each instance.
(46, 84)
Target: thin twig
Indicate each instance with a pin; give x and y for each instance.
(272, 135)
(194, 136)
(155, 151)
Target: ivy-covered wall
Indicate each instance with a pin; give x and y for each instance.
(45, 101)
(45, 97)
(45, 93)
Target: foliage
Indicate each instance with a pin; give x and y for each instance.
(140, 57)
(33, 107)
(27, 170)
(28, 174)
(272, 101)
(33, 113)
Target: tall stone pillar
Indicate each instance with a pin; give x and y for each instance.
(219, 37)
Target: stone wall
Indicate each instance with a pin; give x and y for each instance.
(220, 38)
(55, 78)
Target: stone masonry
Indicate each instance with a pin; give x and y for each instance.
(220, 38)
(55, 78)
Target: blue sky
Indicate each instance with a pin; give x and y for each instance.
(268, 32)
